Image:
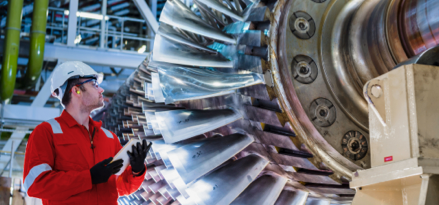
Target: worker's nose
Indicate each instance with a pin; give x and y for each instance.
(101, 90)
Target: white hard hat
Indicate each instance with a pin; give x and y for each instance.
(68, 70)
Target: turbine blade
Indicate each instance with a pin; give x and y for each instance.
(146, 195)
(169, 33)
(156, 186)
(183, 83)
(163, 201)
(171, 52)
(185, 201)
(222, 8)
(216, 188)
(152, 174)
(259, 14)
(194, 160)
(174, 181)
(150, 104)
(178, 125)
(148, 91)
(170, 175)
(176, 14)
(160, 147)
(288, 197)
(264, 190)
(248, 63)
(173, 193)
(156, 90)
(252, 38)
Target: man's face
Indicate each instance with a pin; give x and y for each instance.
(92, 96)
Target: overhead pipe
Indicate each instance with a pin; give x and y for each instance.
(10, 52)
(37, 41)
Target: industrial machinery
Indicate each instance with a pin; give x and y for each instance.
(403, 134)
(261, 102)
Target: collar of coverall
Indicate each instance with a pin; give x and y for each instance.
(72, 122)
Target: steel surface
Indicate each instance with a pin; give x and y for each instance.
(264, 190)
(175, 13)
(196, 159)
(165, 51)
(216, 188)
(184, 83)
(177, 125)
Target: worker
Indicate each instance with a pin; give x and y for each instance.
(68, 159)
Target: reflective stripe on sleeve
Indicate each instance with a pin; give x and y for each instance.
(107, 132)
(56, 128)
(34, 173)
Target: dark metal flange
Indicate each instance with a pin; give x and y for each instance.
(302, 25)
(304, 69)
(354, 145)
(323, 112)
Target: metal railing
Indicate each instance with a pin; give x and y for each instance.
(14, 130)
(10, 162)
(9, 153)
(53, 25)
(88, 31)
(126, 35)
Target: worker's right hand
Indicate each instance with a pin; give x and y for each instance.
(102, 171)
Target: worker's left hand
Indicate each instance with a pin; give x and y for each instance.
(138, 155)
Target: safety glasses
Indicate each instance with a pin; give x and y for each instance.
(93, 81)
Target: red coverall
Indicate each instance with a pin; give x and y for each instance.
(58, 161)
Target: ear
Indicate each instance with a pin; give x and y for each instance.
(76, 91)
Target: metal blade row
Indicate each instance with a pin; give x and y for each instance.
(179, 104)
(156, 175)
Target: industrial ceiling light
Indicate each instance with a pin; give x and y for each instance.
(78, 39)
(91, 15)
(141, 49)
(88, 15)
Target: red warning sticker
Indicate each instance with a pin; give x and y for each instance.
(388, 159)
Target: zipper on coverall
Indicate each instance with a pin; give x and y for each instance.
(92, 146)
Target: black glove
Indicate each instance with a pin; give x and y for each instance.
(102, 170)
(138, 155)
